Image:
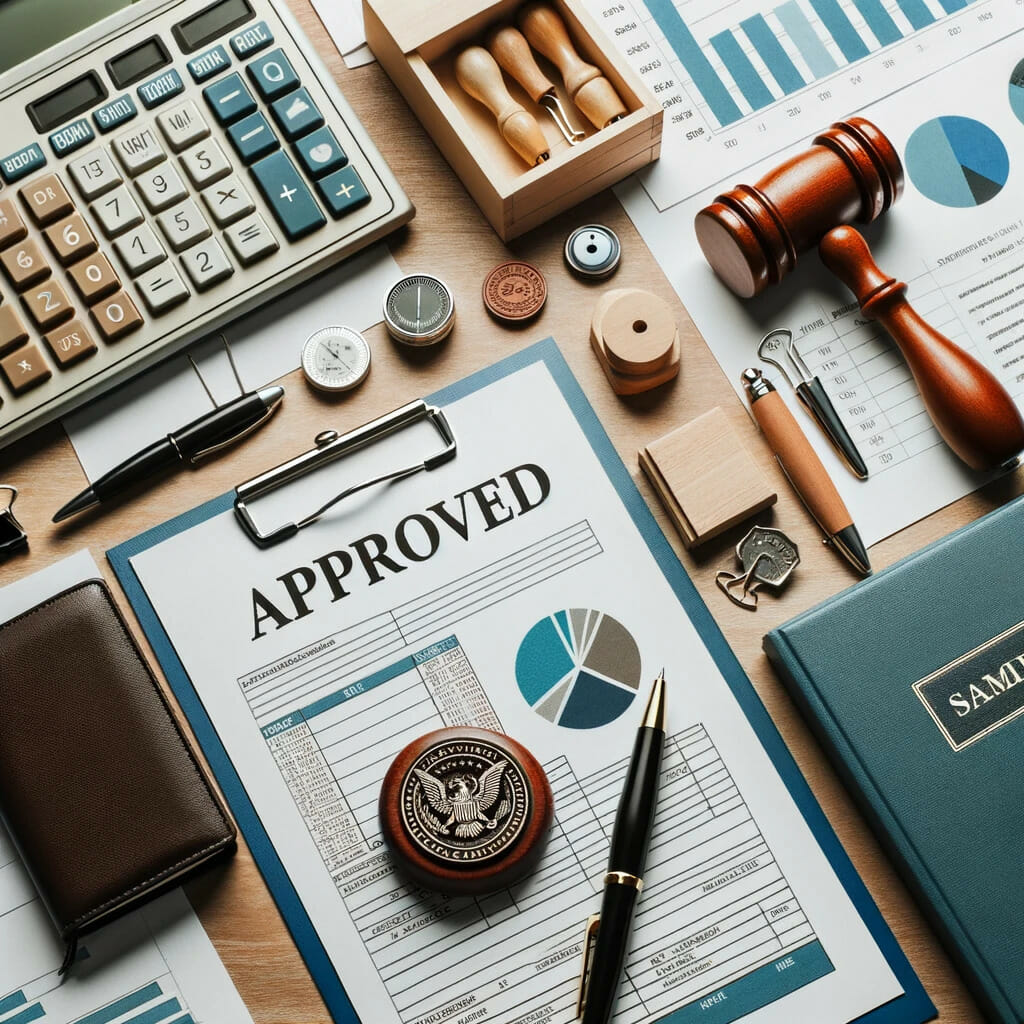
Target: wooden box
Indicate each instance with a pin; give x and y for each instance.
(416, 44)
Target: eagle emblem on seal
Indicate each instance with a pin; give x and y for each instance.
(465, 801)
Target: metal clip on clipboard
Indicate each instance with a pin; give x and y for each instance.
(330, 446)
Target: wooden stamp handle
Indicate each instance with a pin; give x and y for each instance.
(972, 411)
(510, 49)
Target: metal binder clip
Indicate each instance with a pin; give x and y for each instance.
(330, 446)
(589, 942)
(813, 396)
(13, 537)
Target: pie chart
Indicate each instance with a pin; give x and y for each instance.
(1017, 91)
(578, 668)
(957, 161)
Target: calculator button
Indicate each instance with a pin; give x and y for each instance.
(115, 113)
(296, 114)
(46, 199)
(70, 239)
(94, 173)
(71, 137)
(25, 368)
(272, 75)
(138, 149)
(24, 264)
(251, 40)
(253, 138)
(342, 191)
(183, 126)
(22, 163)
(206, 264)
(291, 202)
(48, 304)
(117, 212)
(160, 187)
(116, 316)
(12, 227)
(319, 153)
(160, 89)
(251, 240)
(139, 250)
(229, 99)
(183, 225)
(227, 201)
(205, 164)
(161, 289)
(12, 329)
(70, 343)
(208, 64)
(93, 278)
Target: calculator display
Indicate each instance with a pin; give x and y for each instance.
(139, 62)
(56, 107)
(212, 22)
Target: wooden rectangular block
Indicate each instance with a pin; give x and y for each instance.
(705, 477)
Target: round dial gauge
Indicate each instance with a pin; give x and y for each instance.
(336, 359)
(419, 310)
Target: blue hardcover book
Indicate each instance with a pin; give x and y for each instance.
(914, 680)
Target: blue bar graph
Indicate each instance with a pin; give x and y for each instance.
(952, 6)
(806, 40)
(841, 29)
(917, 14)
(34, 1012)
(10, 1002)
(187, 1019)
(755, 92)
(698, 67)
(113, 1010)
(157, 1013)
(775, 57)
(879, 21)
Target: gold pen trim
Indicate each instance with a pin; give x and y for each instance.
(624, 878)
(589, 942)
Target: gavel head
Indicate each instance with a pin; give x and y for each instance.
(753, 234)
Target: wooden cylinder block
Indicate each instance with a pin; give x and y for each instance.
(636, 340)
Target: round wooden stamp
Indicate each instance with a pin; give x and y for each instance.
(465, 811)
(514, 291)
(636, 340)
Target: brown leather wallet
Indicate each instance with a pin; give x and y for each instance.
(99, 788)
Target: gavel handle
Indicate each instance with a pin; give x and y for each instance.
(972, 411)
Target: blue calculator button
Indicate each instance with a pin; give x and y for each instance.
(22, 162)
(69, 138)
(251, 40)
(289, 198)
(273, 75)
(208, 64)
(342, 191)
(229, 99)
(160, 89)
(253, 138)
(319, 153)
(115, 113)
(296, 114)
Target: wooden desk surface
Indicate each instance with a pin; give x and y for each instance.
(450, 237)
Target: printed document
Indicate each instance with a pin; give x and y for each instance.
(509, 589)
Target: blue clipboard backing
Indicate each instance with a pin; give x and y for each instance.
(913, 1007)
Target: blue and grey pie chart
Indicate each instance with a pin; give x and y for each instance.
(578, 668)
(957, 161)
(1017, 91)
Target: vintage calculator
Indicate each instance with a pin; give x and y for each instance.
(167, 165)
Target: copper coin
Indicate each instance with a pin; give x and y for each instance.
(515, 291)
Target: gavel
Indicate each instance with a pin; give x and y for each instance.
(753, 234)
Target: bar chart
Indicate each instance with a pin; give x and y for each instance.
(152, 1003)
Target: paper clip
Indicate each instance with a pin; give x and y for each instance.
(13, 537)
(331, 445)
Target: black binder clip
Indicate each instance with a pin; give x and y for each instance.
(13, 537)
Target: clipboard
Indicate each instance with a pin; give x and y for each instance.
(913, 1006)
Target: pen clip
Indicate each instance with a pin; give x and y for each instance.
(589, 942)
(228, 442)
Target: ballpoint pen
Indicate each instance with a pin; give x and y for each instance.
(801, 464)
(607, 935)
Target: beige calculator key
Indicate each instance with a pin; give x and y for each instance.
(25, 368)
(183, 225)
(138, 149)
(116, 316)
(46, 199)
(48, 304)
(70, 239)
(204, 164)
(24, 264)
(160, 187)
(183, 125)
(94, 173)
(251, 240)
(139, 250)
(12, 227)
(117, 212)
(12, 329)
(227, 201)
(94, 278)
(161, 289)
(70, 343)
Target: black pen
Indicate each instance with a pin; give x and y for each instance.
(209, 433)
(607, 937)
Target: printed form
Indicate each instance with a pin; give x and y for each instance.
(507, 589)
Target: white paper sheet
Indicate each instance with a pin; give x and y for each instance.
(266, 345)
(343, 20)
(450, 613)
(963, 265)
(156, 964)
